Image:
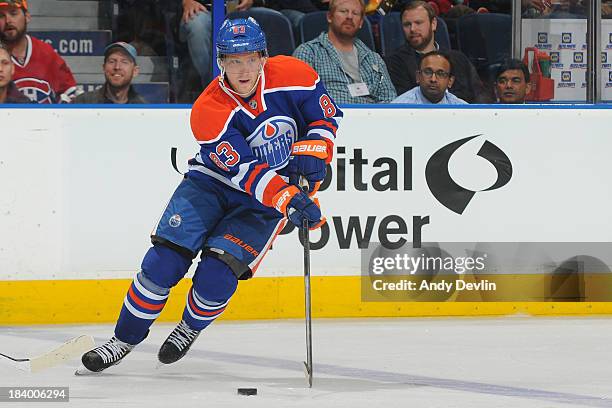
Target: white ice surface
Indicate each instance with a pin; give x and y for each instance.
(469, 363)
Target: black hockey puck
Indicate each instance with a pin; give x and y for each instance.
(247, 391)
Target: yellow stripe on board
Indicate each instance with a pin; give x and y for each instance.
(99, 301)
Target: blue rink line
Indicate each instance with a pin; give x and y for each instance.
(529, 106)
(407, 379)
(358, 373)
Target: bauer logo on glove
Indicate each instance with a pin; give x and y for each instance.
(316, 148)
(308, 160)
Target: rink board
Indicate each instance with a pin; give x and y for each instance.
(90, 301)
(79, 180)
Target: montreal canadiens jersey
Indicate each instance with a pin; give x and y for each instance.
(44, 76)
(246, 143)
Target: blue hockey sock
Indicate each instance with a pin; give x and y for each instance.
(214, 283)
(162, 268)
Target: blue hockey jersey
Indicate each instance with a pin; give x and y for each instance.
(246, 142)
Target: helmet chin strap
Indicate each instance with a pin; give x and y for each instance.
(229, 88)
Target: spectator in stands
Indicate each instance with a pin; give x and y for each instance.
(40, 73)
(419, 24)
(139, 23)
(434, 76)
(8, 90)
(512, 82)
(351, 72)
(120, 67)
(606, 9)
(196, 30)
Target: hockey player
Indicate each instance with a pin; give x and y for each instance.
(262, 124)
(40, 73)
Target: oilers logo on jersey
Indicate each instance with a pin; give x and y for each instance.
(272, 140)
(37, 90)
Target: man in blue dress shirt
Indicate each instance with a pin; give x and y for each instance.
(434, 76)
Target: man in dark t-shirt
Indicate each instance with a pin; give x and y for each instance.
(419, 23)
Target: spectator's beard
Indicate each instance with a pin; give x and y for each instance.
(346, 32)
(420, 43)
(118, 84)
(12, 35)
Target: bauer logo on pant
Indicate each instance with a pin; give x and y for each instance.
(175, 221)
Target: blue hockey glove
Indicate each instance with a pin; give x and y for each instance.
(297, 207)
(308, 159)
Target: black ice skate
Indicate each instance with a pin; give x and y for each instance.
(100, 358)
(177, 344)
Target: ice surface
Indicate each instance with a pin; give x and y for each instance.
(513, 362)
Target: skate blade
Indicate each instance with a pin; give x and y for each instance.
(82, 370)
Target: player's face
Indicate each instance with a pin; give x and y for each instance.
(434, 77)
(13, 24)
(511, 86)
(6, 68)
(346, 19)
(418, 30)
(119, 69)
(242, 71)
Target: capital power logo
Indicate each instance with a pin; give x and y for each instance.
(450, 194)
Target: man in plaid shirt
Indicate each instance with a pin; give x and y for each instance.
(351, 72)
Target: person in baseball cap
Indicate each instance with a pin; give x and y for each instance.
(40, 73)
(120, 67)
(121, 46)
(22, 4)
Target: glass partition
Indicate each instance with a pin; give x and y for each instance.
(173, 40)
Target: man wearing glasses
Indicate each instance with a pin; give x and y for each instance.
(419, 23)
(434, 77)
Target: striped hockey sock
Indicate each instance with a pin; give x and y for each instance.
(199, 313)
(141, 306)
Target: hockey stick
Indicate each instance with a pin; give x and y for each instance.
(306, 232)
(70, 349)
(308, 362)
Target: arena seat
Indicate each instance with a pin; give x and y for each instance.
(277, 27)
